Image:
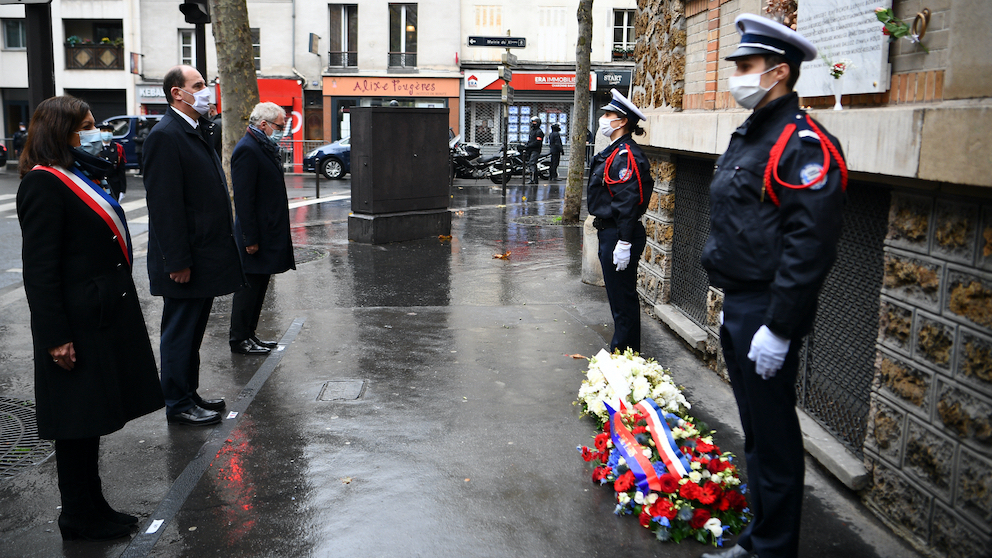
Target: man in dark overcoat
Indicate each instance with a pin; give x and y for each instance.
(192, 256)
(262, 225)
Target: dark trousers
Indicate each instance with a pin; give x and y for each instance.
(183, 322)
(773, 441)
(621, 288)
(247, 306)
(78, 462)
(532, 158)
(555, 159)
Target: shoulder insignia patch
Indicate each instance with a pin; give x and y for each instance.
(809, 173)
(624, 174)
(808, 135)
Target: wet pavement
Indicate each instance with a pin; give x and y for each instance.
(461, 441)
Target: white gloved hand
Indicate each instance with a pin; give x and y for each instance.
(120, 197)
(768, 352)
(621, 255)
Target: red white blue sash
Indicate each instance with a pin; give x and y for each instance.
(664, 442)
(99, 201)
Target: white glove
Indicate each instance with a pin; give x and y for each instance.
(768, 352)
(120, 197)
(621, 255)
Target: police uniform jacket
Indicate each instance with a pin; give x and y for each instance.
(79, 288)
(620, 186)
(189, 212)
(783, 240)
(554, 139)
(262, 206)
(535, 140)
(116, 180)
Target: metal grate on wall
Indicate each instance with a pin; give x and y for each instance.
(690, 283)
(20, 446)
(839, 354)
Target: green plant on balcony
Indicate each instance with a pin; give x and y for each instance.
(73, 40)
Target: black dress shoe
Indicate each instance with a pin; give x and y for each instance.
(195, 416)
(248, 347)
(266, 344)
(208, 404)
(90, 527)
(736, 551)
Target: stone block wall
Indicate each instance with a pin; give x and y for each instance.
(659, 77)
(929, 438)
(655, 270)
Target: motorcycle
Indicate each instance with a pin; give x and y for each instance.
(516, 164)
(466, 159)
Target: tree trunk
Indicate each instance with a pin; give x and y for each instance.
(580, 116)
(236, 65)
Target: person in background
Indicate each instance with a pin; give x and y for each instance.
(144, 127)
(217, 136)
(94, 367)
(261, 228)
(776, 201)
(20, 137)
(192, 255)
(533, 148)
(620, 187)
(113, 152)
(554, 139)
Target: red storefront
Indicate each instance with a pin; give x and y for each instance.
(287, 93)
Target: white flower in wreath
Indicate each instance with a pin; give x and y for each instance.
(641, 388)
(623, 498)
(695, 476)
(651, 499)
(714, 526)
(639, 497)
(595, 375)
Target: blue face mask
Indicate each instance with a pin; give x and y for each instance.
(277, 136)
(89, 141)
(106, 136)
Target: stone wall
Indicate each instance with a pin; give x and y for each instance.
(659, 77)
(655, 271)
(929, 439)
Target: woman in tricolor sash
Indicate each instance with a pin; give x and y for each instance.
(94, 366)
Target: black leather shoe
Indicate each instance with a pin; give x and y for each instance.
(195, 416)
(248, 347)
(91, 528)
(736, 551)
(266, 344)
(208, 404)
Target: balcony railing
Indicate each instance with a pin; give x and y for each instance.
(623, 55)
(94, 57)
(402, 59)
(342, 59)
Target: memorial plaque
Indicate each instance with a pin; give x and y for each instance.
(844, 29)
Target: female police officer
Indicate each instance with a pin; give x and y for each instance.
(620, 187)
(775, 218)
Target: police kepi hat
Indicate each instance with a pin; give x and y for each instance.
(760, 35)
(623, 107)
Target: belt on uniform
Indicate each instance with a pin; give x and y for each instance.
(601, 223)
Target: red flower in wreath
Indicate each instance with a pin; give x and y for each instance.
(669, 483)
(703, 447)
(601, 441)
(690, 491)
(736, 500)
(639, 430)
(717, 465)
(722, 504)
(699, 518)
(624, 482)
(600, 473)
(664, 508)
(645, 519)
(586, 454)
(710, 492)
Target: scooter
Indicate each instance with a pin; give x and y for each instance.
(516, 165)
(466, 160)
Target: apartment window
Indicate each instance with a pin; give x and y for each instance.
(343, 42)
(403, 35)
(623, 34)
(14, 35)
(187, 47)
(552, 35)
(256, 48)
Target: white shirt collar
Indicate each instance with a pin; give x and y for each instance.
(194, 123)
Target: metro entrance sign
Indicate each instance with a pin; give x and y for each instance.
(498, 42)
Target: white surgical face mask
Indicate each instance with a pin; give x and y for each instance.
(747, 89)
(606, 126)
(201, 101)
(89, 141)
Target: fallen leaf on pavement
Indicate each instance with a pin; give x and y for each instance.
(578, 356)
(346, 480)
(503, 256)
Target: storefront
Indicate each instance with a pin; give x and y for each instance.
(549, 96)
(341, 93)
(151, 98)
(607, 80)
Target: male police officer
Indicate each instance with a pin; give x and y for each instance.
(775, 219)
(533, 147)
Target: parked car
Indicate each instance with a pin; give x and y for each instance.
(126, 128)
(333, 159)
(3, 154)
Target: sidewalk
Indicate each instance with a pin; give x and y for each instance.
(461, 443)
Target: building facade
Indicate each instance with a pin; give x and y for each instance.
(898, 368)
